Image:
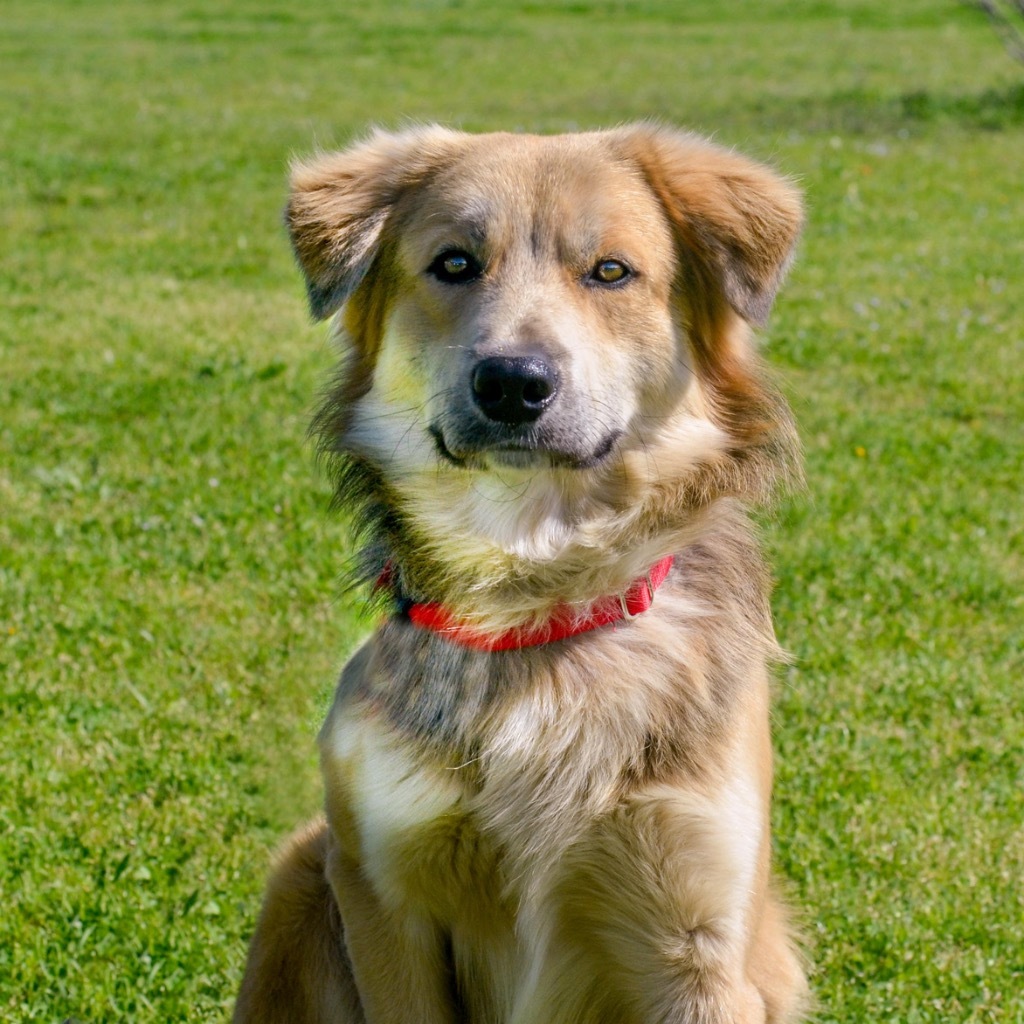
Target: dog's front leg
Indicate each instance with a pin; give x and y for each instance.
(653, 916)
(398, 960)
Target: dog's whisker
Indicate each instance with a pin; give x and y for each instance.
(465, 764)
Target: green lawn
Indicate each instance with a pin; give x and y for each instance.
(170, 620)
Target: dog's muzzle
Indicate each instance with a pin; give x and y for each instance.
(517, 411)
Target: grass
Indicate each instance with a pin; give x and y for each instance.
(170, 625)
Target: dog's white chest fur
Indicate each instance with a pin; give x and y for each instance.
(407, 814)
(421, 851)
(393, 799)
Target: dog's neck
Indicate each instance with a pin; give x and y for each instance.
(613, 524)
(564, 622)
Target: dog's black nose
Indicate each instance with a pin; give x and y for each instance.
(514, 389)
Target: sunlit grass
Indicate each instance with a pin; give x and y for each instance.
(170, 623)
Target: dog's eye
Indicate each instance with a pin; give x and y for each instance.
(454, 266)
(610, 272)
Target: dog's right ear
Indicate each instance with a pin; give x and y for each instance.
(341, 202)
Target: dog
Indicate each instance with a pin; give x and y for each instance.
(548, 772)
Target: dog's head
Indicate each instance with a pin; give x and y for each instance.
(548, 354)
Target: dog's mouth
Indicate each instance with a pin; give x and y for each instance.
(525, 453)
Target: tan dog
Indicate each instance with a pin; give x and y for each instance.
(548, 772)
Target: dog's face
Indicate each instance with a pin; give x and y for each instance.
(530, 319)
(531, 326)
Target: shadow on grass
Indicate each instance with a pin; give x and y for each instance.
(862, 113)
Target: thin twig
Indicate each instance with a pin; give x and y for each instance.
(999, 12)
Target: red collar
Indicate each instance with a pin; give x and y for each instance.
(563, 623)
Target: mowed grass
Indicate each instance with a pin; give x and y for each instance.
(170, 620)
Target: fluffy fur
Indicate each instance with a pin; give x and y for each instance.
(575, 833)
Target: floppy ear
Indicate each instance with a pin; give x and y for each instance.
(340, 203)
(737, 219)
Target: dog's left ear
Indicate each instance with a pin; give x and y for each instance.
(737, 219)
(340, 203)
